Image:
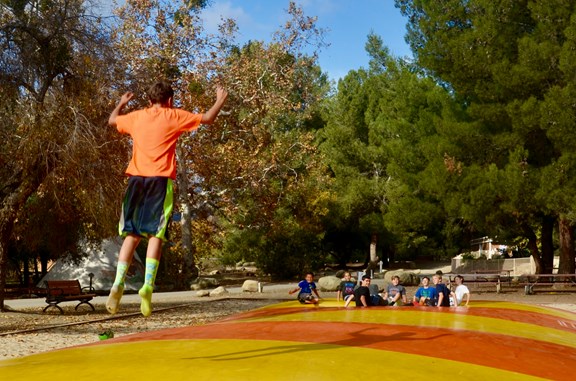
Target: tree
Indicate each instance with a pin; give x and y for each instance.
(383, 133)
(53, 65)
(260, 170)
(508, 63)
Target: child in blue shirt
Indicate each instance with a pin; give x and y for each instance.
(425, 295)
(305, 289)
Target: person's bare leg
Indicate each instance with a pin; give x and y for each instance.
(152, 261)
(124, 260)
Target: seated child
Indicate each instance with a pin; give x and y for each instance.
(461, 295)
(305, 289)
(362, 294)
(425, 295)
(395, 293)
(346, 288)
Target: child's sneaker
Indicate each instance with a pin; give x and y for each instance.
(113, 301)
(146, 303)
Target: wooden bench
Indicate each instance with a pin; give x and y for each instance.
(551, 282)
(58, 291)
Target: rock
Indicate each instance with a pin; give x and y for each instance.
(250, 286)
(218, 291)
(202, 293)
(329, 283)
(407, 278)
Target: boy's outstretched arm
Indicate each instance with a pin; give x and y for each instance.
(294, 290)
(123, 102)
(209, 116)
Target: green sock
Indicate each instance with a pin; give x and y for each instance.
(146, 291)
(117, 290)
(121, 272)
(151, 270)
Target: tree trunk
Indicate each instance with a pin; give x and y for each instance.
(547, 242)
(6, 226)
(533, 247)
(44, 257)
(189, 269)
(3, 269)
(373, 260)
(567, 263)
(21, 187)
(26, 274)
(373, 246)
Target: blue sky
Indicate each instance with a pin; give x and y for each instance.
(348, 22)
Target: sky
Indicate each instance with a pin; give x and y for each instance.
(348, 23)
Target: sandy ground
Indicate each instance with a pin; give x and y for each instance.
(26, 331)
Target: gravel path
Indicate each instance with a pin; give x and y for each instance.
(30, 338)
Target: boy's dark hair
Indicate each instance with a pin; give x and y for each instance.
(364, 277)
(160, 92)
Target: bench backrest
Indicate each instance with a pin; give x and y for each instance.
(64, 287)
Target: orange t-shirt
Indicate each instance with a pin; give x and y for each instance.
(154, 133)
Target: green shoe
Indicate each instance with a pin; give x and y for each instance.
(106, 335)
(146, 303)
(113, 301)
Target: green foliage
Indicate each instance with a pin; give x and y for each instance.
(385, 143)
(284, 253)
(511, 64)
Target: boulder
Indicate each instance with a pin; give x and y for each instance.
(250, 286)
(407, 278)
(329, 283)
(218, 291)
(340, 273)
(202, 293)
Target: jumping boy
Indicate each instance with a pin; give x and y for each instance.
(148, 200)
